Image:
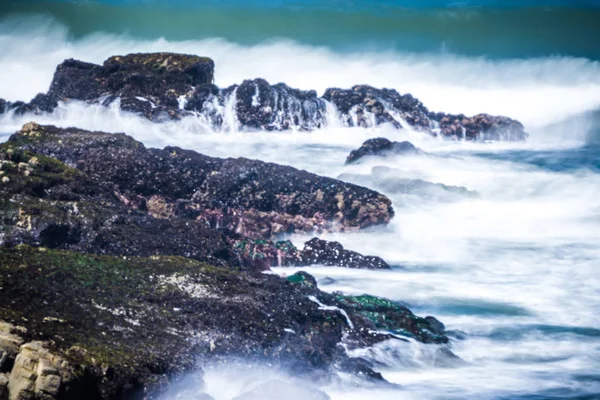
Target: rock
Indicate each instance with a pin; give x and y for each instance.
(130, 322)
(277, 389)
(333, 254)
(479, 127)
(4, 106)
(278, 107)
(151, 84)
(253, 198)
(367, 106)
(383, 147)
(38, 373)
(166, 86)
(393, 181)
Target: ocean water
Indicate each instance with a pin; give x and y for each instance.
(513, 272)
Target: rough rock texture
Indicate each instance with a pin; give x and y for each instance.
(318, 251)
(382, 147)
(104, 327)
(252, 198)
(278, 107)
(164, 86)
(367, 106)
(151, 84)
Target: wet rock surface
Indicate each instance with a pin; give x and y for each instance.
(383, 147)
(252, 198)
(166, 86)
(127, 323)
(118, 264)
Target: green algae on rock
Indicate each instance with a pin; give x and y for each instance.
(125, 323)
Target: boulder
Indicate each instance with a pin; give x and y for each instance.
(383, 147)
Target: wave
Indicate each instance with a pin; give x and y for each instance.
(538, 91)
(474, 28)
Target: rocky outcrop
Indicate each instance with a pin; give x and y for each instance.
(367, 106)
(164, 86)
(383, 147)
(252, 198)
(279, 107)
(154, 85)
(104, 327)
(120, 198)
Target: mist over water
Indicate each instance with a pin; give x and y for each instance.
(513, 271)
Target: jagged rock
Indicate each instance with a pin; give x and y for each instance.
(318, 251)
(479, 127)
(383, 147)
(367, 106)
(278, 107)
(393, 181)
(10, 343)
(164, 86)
(4, 105)
(123, 324)
(253, 198)
(153, 84)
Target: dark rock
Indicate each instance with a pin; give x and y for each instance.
(165, 86)
(4, 105)
(150, 84)
(318, 251)
(262, 106)
(253, 198)
(382, 147)
(128, 323)
(479, 127)
(152, 297)
(40, 104)
(367, 106)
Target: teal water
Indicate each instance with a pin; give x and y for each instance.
(484, 28)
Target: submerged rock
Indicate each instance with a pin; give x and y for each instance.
(394, 181)
(116, 327)
(165, 86)
(383, 147)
